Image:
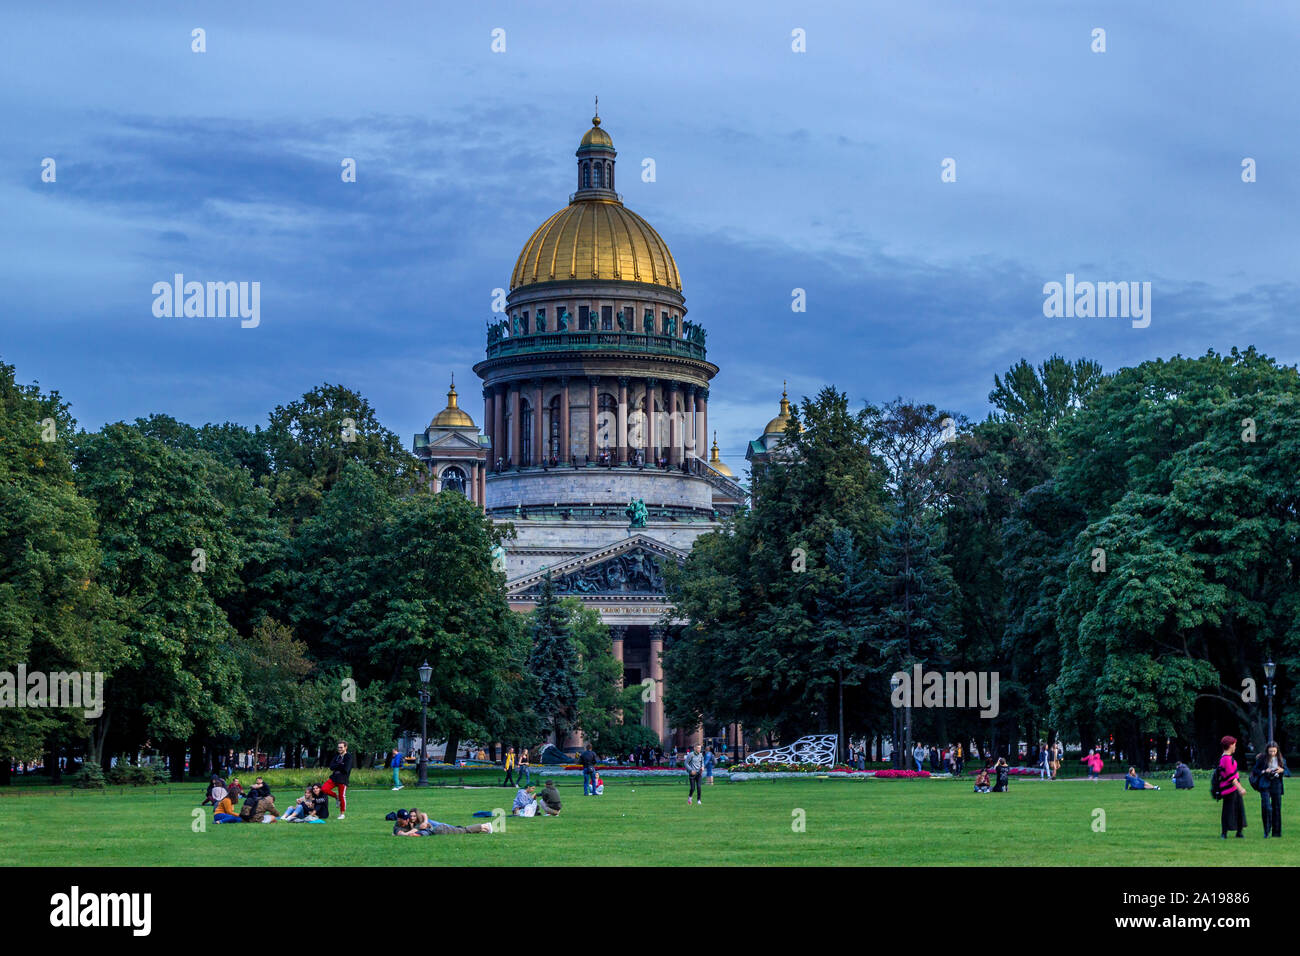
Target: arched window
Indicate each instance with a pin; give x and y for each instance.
(586, 175)
(453, 479)
(525, 433)
(600, 175)
(609, 175)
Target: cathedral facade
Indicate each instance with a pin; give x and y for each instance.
(596, 396)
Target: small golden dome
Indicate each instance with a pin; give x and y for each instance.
(777, 425)
(596, 136)
(596, 239)
(453, 416)
(715, 462)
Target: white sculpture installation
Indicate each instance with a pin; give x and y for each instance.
(819, 749)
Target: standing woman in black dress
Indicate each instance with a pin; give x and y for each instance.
(1270, 768)
(1233, 816)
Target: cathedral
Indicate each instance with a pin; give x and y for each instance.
(595, 425)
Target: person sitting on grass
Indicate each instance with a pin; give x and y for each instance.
(319, 808)
(215, 782)
(525, 803)
(549, 799)
(301, 807)
(418, 824)
(982, 782)
(235, 788)
(265, 811)
(223, 809)
(1134, 782)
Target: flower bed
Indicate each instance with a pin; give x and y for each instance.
(901, 774)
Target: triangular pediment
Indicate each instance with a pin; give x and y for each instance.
(452, 440)
(631, 567)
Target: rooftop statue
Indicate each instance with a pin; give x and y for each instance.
(562, 321)
(636, 513)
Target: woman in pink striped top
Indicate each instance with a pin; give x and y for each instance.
(1231, 790)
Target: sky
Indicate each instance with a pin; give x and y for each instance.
(775, 170)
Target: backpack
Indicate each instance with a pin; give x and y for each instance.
(1215, 781)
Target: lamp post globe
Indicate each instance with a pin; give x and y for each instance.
(425, 672)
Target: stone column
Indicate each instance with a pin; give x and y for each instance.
(690, 425)
(513, 457)
(593, 399)
(617, 633)
(482, 486)
(489, 403)
(702, 419)
(565, 450)
(651, 386)
(674, 437)
(621, 451)
(657, 675)
(537, 422)
(499, 428)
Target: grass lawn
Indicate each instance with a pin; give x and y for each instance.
(647, 822)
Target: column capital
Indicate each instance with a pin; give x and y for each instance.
(623, 380)
(651, 382)
(674, 386)
(536, 382)
(564, 380)
(618, 631)
(704, 393)
(692, 390)
(593, 381)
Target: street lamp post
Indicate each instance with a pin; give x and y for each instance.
(1270, 669)
(894, 683)
(425, 673)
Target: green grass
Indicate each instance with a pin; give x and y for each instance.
(641, 822)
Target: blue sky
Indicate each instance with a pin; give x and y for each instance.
(775, 170)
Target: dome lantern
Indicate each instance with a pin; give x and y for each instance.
(596, 156)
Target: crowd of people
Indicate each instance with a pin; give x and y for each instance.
(259, 804)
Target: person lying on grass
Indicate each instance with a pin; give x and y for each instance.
(1134, 782)
(414, 823)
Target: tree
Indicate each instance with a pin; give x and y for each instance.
(600, 675)
(553, 663)
(54, 615)
(170, 554)
(310, 441)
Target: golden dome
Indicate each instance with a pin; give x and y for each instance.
(596, 136)
(596, 239)
(715, 462)
(777, 425)
(453, 416)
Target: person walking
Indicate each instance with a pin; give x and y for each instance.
(1233, 816)
(395, 763)
(918, 755)
(525, 769)
(1270, 768)
(694, 764)
(340, 770)
(588, 761)
(1044, 761)
(509, 766)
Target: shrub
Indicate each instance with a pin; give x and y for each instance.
(91, 777)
